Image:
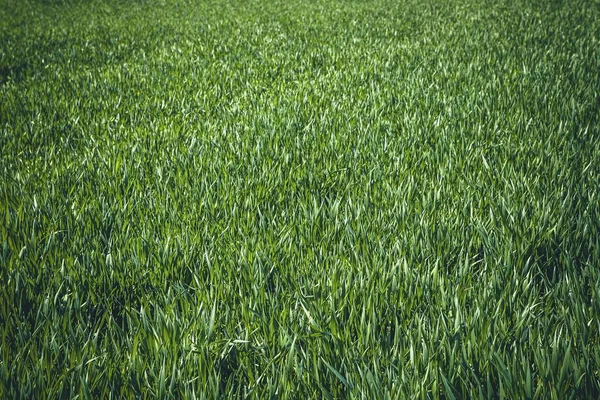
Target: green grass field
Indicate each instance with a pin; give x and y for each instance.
(300, 199)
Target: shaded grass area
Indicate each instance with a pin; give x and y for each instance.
(299, 199)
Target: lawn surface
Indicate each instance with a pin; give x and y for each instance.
(300, 199)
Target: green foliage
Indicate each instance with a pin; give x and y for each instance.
(299, 199)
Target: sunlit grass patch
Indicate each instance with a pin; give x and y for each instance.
(297, 199)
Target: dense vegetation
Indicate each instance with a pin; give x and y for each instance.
(300, 199)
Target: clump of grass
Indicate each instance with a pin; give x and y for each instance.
(299, 199)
